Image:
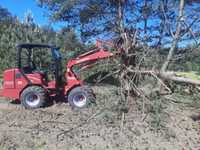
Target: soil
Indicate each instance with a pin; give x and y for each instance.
(99, 127)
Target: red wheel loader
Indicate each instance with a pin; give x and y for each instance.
(31, 86)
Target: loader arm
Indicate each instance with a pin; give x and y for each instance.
(90, 57)
(85, 60)
(94, 55)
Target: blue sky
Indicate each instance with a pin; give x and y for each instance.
(20, 7)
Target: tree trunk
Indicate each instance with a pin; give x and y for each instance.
(168, 75)
(120, 17)
(162, 5)
(145, 16)
(173, 77)
(175, 37)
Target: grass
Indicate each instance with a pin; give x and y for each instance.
(192, 75)
(40, 146)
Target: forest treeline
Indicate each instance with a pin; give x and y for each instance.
(160, 33)
(13, 32)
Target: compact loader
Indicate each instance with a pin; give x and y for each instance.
(32, 87)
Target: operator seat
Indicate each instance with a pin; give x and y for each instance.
(27, 69)
(31, 69)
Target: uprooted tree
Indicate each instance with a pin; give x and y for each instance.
(150, 34)
(132, 68)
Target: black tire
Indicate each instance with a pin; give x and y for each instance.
(28, 97)
(82, 92)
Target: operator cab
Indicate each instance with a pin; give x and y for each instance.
(39, 59)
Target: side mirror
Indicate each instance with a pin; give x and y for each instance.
(56, 53)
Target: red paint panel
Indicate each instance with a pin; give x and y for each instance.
(11, 93)
(1, 92)
(15, 82)
(8, 78)
(52, 85)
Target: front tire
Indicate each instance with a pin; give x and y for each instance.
(81, 97)
(33, 97)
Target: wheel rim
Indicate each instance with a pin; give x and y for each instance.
(32, 99)
(79, 100)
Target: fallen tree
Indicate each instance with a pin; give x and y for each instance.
(180, 77)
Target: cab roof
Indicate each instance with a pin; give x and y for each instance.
(33, 45)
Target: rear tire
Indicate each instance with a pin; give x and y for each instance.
(33, 97)
(81, 97)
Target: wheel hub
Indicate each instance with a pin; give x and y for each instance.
(32, 99)
(79, 100)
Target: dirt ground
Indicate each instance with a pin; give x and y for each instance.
(99, 127)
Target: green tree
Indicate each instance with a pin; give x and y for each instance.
(4, 14)
(12, 31)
